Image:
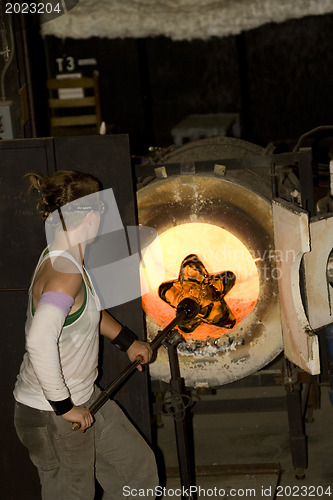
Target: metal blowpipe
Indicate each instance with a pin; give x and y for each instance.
(187, 309)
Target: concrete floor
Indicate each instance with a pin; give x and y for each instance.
(259, 440)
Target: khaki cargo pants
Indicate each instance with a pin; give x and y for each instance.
(112, 451)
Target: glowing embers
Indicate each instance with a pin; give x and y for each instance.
(219, 250)
(208, 290)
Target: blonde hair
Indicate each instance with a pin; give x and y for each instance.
(61, 188)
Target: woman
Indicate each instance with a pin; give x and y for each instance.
(55, 385)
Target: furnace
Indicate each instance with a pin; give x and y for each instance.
(230, 227)
(232, 230)
(226, 222)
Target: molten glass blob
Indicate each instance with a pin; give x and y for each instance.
(219, 250)
(208, 291)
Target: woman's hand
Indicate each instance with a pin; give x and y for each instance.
(81, 415)
(140, 349)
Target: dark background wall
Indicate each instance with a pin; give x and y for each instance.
(277, 77)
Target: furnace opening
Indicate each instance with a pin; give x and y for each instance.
(220, 252)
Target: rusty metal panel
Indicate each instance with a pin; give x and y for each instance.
(292, 241)
(319, 293)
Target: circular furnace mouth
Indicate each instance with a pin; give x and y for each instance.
(228, 227)
(225, 304)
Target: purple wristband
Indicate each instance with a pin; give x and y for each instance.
(61, 300)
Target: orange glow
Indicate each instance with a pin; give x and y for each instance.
(220, 251)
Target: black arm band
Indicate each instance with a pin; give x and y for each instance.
(124, 339)
(61, 407)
